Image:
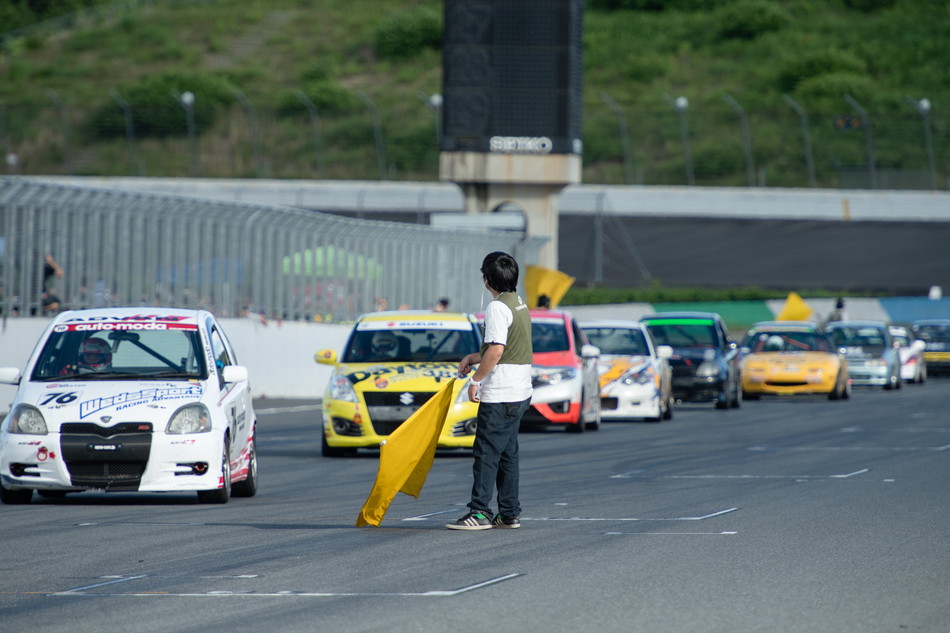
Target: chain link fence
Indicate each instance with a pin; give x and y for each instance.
(705, 144)
(65, 247)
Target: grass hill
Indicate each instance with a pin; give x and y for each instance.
(289, 88)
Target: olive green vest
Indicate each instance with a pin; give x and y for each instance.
(518, 348)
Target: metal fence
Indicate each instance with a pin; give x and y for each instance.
(129, 249)
(708, 144)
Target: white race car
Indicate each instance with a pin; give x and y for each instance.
(635, 375)
(913, 365)
(129, 399)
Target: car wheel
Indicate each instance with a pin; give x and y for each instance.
(722, 400)
(248, 487)
(222, 494)
(898, 383)
(922, 375)
(737, 401)
(750, 396)
(846, 390)
(595, 425)
(15, 497)
(668, 410)
(330, 451)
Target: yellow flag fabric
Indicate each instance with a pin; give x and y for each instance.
(546, 281)
(795, 309)
(406, 456)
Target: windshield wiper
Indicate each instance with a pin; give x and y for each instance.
(172, 373)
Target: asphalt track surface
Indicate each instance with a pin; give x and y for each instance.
(789, 515)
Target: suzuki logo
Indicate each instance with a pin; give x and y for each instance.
(406, 399)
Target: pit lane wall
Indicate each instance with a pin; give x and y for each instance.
(279, 354)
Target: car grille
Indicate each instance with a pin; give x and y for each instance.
(107, 457)
(388, 409)
(609, 404)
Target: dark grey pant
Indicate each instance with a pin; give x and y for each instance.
(496, 457)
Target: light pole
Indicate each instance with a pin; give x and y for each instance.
(923, 109)
(187, 101)
(624, 136)
(681, 105)
(377, 133)
(63, 120)
(255, 132)
(746, 136)
(806, 136)
(129, 129)
(868, 139)
(321, 163)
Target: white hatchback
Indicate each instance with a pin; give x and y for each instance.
(130, 399)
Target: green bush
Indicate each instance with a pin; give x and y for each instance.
(328, 97)
(155, 111)
(811, 65)
(748, 19)
(869, 5)
(407, 33)
(831, 88)
(654, 5)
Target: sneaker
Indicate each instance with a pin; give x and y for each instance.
(474, 520)
(501, 521)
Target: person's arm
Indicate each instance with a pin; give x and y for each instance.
(488, 362)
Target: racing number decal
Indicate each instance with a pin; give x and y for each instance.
(59, 397)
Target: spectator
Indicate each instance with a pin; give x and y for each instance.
(441, 305)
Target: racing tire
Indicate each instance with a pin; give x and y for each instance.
(248, 487)
(15, 497)
(846, 390)
(737, 399)
(577, 427)
(595, 424)
(722, 401)
(668, 411)
(222, 494)
(330, 451)
(750, 396)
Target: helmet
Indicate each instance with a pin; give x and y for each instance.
(775, 343)
(94, 353)
(384, 343)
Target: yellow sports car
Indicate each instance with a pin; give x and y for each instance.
(791, 357)
(392, 363)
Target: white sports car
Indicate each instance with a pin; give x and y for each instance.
(635, 374)
(913, 365)
(129, 399)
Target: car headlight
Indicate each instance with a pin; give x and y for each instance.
(643, 377)
(28, 420)
(342, 389)
(552, 375)
(193, 418)
(707, 369)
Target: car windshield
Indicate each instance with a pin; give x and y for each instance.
(779, 341)
(549, 336)
(623, 341)
(933, 333)
(683, 332)
(867, 338)
(73, 352)
(373, 342)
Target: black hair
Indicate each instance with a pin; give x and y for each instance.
(544, 301)
(500, 271)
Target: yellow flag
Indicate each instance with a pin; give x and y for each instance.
(406, 456)
(795, 309)
(546, 281)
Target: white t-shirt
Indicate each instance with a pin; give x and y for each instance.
(505, 383)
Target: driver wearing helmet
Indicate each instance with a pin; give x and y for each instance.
(94, 355)
(384, 345)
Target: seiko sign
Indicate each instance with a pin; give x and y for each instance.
(521, 144)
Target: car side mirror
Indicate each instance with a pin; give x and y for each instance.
(664, 351)
(325, 357)
(10, 376)
(589, 351)
(234, 373)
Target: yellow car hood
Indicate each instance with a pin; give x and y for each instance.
(790, 359)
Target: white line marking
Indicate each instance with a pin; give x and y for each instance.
(857, 472)
(707, 516)
(423, 517)
(672, 533)
(101, 584)
(284, 594)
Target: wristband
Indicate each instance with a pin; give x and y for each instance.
(477, 383)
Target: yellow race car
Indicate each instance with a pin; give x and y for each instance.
(792, 357)
(392, 363)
